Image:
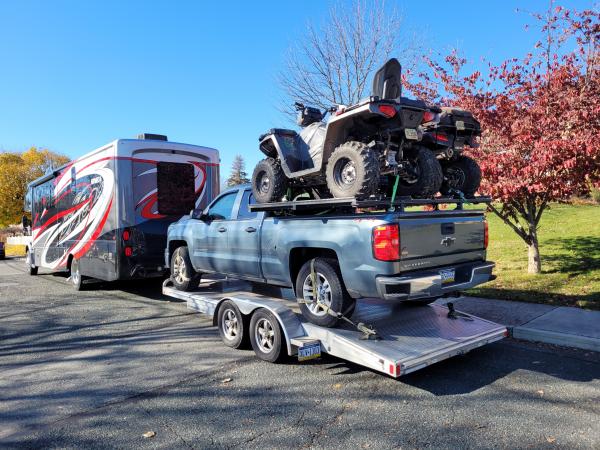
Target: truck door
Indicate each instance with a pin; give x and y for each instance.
(210, 236)
(244, 239)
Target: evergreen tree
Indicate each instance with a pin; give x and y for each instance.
(238, 173)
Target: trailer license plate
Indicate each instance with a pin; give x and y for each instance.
(309, 351)
(447, 276)
(411, 133)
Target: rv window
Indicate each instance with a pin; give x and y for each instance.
(175, 186)
(28, 200)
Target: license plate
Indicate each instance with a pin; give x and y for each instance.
(460, 125)
(411, 133)
(309, 351)
(447, 276)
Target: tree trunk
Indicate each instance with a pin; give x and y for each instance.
(535, 264)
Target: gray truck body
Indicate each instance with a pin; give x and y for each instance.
(228, 238)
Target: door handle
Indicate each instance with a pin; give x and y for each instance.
(250, 229)
(221, 229)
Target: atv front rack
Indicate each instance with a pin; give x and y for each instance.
(379, 203)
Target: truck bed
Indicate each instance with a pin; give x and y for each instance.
(411, 337)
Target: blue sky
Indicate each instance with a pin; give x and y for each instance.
(77, 74)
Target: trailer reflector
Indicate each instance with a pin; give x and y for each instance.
(128, 251)
(126, 234)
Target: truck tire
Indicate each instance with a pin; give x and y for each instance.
(462, 174)
(265, 336)
(269, 183)
(75, 275)
(183, 275)
(428, 177)
(33, 270)
(232, 326)
(352, 171)
(330, 289)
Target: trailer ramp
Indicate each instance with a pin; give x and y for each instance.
(411, 336)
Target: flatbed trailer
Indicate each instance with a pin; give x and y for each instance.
(408, 338)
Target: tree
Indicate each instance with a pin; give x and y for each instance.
(16, 171)
(331, 64)
(238, 173)
(540, 115)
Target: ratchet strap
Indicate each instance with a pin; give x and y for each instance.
(368, 332)
(395, 190)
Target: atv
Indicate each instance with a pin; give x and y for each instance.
(357, 153)
(446, 131)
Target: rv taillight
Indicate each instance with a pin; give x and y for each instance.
(386, 243)
(126, 235)
(486, 234)
(128, 251)
(387, 110)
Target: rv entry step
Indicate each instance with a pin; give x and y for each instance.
(411, 336)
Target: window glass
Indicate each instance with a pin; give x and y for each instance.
(247, 199)
(175, 186)
(222, 208)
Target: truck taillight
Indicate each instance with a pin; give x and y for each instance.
(486, 234)
(386, 243)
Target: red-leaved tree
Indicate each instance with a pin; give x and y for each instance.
(540, 116)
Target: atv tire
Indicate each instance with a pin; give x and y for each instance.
(462, 174)
(429, 175)
(352, 171)
(269, 183)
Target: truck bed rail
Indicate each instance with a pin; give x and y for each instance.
(399, 204)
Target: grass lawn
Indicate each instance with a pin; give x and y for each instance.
(570, 251)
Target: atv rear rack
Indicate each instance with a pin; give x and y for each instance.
(384, 203)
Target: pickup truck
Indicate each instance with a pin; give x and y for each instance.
(333, 258)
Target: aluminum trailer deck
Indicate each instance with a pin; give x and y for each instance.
(411, 337)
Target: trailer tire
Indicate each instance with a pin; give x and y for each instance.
(33, 270)
(183, 275)
(329, 278)
(232, 325)
(266, 336)
(269, 183)
(75, 275)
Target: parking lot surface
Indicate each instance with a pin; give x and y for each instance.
(102, 367)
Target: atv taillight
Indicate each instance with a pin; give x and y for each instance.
(441, 137)
(386, 243)
(387, 110)
(486, 234)
(428, 116)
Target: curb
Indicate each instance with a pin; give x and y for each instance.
(555, 338)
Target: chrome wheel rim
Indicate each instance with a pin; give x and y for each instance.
(230, 325)
(75, 276)
(179, 269)
(323, 289)
(264, 335)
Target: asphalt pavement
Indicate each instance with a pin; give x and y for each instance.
(103, 367)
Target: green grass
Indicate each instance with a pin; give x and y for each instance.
(570, 252)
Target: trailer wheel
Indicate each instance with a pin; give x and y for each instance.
(330, 290)
(33, 270)
(266, 336)
(76, 277)
(232, 327)
(183, 275)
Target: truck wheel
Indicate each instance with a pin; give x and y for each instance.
(33, 270)
(352, 171)
(76, 277)
(463, 175)
(183, 275)
(269, 183)
(231, 325)
(330, 291)
(265, 336)
(424, 174)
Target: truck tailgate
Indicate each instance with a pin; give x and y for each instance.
(447, 238)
